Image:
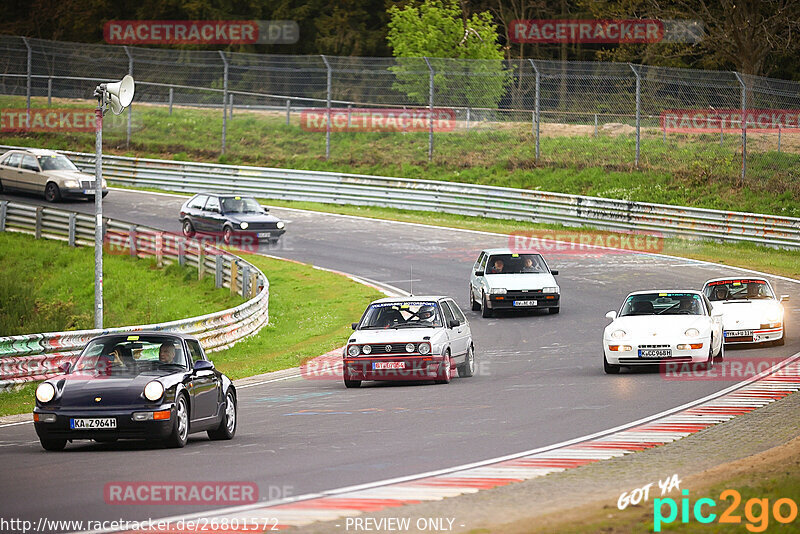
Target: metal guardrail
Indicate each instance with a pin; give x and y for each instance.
(37, 356)
(448, 197)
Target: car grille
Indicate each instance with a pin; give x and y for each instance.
(263, 226)
(396, 348)
(654, 346)
(652, 361)
(87, 184)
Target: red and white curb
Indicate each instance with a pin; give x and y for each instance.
(778, 382)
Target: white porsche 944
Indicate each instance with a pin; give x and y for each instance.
(654, 327)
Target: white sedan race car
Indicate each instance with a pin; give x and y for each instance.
(655, 327)
(750, 311)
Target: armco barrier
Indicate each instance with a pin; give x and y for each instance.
(448, 197)
(37, 356)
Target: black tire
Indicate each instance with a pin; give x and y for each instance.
(188, 228)
(1, 186)
(180, 430)
(721, 356)
(608, 368)
(485, 310)
(709, 363)
(227, 426)
(475, 305)
(227, 235)
(467, 369)
(352, 383)
(445, 370)
(555, 310)
(51, 192)
(53, 444)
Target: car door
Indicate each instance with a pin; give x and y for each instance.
(11, 172)
(204, 386)
(212, 215)
(459, 340)
(31, 177)
(474, 280)
(716, 324)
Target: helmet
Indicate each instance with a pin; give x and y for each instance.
(426, 313)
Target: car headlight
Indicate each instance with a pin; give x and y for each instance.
(280, 225)
(774, 316)
(553, 289)
(71, 183)
(424, 348)
(409, 347)
(692, 332)
(45, 392)
(497, 291)
(618, 334)
(154, 390)
(353, 351)
(243, 225)
(366, 349)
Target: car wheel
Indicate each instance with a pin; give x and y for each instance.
(485, 310)
(1, 186)
(227, 235)
(445, 370)
(554, 310)
(52, 193)
(180, 430)
(53, 444)
(227, 426)
(352, 383)
(709, 363)
(721, 356)
(608, 368)
(467, 369)
(472, 301)
(188, 228)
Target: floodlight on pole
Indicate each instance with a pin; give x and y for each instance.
(115, 96)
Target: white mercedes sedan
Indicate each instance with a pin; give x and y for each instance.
(655, 327)
(750, 311)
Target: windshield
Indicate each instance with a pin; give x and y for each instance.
(516, 263)
(663, 304)
(130, 355)
(738, 289)
(418, 314)
(56, 163)
(240, 205)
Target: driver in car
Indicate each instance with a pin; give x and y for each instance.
(166, 354)
(721, 293)
(497, 268)
(426, 314)
(527, 266)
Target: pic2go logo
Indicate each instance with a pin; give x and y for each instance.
(756, 511)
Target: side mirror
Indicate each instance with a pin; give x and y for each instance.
(479, 273)
(65, 367)
(784, 298)
(453, 323)
(554, 272)
(612, 315)
(266, 209)
(353, 325)
(202, 365)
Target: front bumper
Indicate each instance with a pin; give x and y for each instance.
(80, 193)
(522, 300)
(414, 368)
(271, 234)
(127, 428)
(752, 336)
(632, 357)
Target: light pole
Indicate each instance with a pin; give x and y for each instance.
(116, 96)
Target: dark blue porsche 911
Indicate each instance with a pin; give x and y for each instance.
(136, 385)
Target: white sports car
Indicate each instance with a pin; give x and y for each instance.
(750, 311)
(654, 327)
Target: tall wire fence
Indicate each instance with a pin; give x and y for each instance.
(516, 114)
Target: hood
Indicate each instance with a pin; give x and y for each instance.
(657, 327)
(519, 281)
(251, 218)
(79, 389)
(69, 175)
(747, 314)
(392, 335)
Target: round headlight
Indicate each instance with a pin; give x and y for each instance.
(618, 334)
(280, 225)
(409, 347)
(45, 392)
(498, 291)
(692, 332)
(366, 349)
(153, 390)
(243, 225)
(424, 348)
(353, 351)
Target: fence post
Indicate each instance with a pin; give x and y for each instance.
(71, 234)
(3, 211)
(349, 114)
(181, 252)
(467, 118)
(130, 108)
(201, 262)
(28, 82)
(744, 126)
(231, 111)
(38, 227)
(288, 110)
(132, 240)
(159, 246)
(430, 108)
(234, 276)
(536, 107)
(49, 91)
(328, 120)
(224, 98)
(219, 271)
(595, 125)
(245, 280)
(170, 100)
(779, 139)
(638, 110)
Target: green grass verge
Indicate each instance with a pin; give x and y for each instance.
(685, 170)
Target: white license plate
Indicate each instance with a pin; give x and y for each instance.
(655, 353)
(388, 365)
(524, 303)
(264, 234)
(738, 333)
(88, 192)
(94, 423)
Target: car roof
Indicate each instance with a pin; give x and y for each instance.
(505, 250)
(176, 335)
(737, 278)
(222, 195)
(35, 151)
(414, 298)
(646, 291)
